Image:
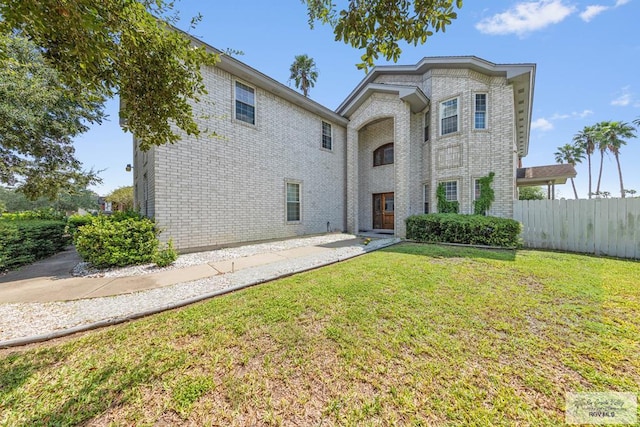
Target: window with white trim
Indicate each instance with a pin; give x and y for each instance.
(293, 201)
(449, 116)
(245, 103)
(480, 111)
(451, 190)
(476, 189)
(326, 136)
(425, 197)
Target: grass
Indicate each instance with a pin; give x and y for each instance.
(411, 335)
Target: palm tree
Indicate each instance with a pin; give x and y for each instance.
(570, 154)
(304, 73)
(614, 135)
(601, 144)
(585, 139)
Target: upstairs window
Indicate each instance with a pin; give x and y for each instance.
(449, 116)
(480, 111)
(383, 155)
(326, 136)
(245, 104)
(427, 122)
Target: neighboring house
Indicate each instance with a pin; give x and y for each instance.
(284, 165)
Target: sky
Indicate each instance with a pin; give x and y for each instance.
(587, 55)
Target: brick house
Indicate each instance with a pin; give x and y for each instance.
(283, 165)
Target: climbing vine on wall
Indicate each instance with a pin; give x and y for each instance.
(483, 203)
(444, 205)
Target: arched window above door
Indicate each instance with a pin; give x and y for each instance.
(383, 155)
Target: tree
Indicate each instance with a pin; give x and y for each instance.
(122, 197)
(570, 154)
(38, 120)
(614, 135)
(585, 139)
(67, 201)
(601, 145)
(531, 193)
(378, 25)
(304, 73)
(124, 47)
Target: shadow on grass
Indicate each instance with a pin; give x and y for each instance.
(79, 399)
(446, 251)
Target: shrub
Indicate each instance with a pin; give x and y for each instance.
(44, 214)
(111, 242)
(128, 214)
(76, 221)
(166, 256)
(465, 229)
(25, 241)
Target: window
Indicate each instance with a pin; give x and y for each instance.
(383, 155)
(480, 111)
(145, 195)
(451, 190)
(245, 104)
(293, 202)
(425, 197)
(326, 136)
(476, 189)
(427, 121)
(449, 116)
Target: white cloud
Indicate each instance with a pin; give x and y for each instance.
(624, 99)
(621, 2)
(592, 11)
(542, 124)
(573, 115)
(582, 114)
(526, 17)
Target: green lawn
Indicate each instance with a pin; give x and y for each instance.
(411, 335)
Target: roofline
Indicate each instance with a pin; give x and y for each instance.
(413, 95)
(516, 74)
(255, 77)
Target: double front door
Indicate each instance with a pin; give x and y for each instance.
(383, 218)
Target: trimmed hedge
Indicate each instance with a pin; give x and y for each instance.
(464, 229)
(25, 241)
(117, 242)
(76, 221)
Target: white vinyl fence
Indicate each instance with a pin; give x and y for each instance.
(598, 226)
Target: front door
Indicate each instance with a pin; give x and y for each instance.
(383, 218)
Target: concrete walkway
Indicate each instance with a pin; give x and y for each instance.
(47, 288)
(50, 279)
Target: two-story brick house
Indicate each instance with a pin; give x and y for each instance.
(283, 165)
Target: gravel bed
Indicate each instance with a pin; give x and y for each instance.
(85, 269)
(23, 320)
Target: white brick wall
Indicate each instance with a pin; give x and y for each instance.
(230, 187)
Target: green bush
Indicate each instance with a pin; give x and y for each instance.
(25, 241)
(465, 229)
(44, 214)
(128, 214)
(76, 221)
(111, 242)
(444, 205)
(166, 256)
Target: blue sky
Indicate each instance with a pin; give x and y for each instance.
(587, 55)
